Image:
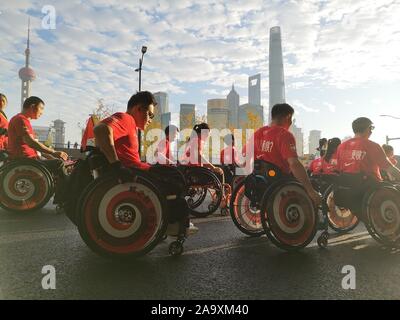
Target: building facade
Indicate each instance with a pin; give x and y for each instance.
(255, 90)
(313, 141)
(233, 102)
(276, 72)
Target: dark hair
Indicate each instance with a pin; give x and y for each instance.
(32, 101)
(281, 110)
(387, 148)
(3, 96)
(170, 128)
(142, 99)
(229, 139)
(333, 144)
(202, 126)
(320, 148)
(361, 124)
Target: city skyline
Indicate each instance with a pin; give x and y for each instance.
(338, 64)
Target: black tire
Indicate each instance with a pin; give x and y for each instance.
(299, 233)
(340, 220)
(244, 225)
(202, 181)
(382, 211)
(106, 202)
(26, 186)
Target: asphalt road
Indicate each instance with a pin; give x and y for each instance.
(218, 263)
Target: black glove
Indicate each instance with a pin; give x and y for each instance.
(123, 174)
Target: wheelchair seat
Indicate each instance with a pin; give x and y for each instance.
(263, 175)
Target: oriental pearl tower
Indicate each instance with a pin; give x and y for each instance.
(26, 74)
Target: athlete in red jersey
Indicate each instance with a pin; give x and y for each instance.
(21, 138)
(117, 138)
(193, 155)
(361, 155)
(276, 145)
(315, 167)
(329, 161)
(163, 153)
(389, 151)
(3, 123)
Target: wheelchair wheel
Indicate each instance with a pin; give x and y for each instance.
(204, 191)
(245, 217)
(26, 185)
(288, 215)
(122, 220)
(382, 208)
(341, 220)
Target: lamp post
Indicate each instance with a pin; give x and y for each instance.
(144, 50)
(393, 117)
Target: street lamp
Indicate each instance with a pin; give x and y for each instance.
(390, 116)
(144, 50)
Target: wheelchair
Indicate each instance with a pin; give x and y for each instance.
(376, 204)
(126, 218)
(279, 207)
(26, 184)
(341, 220)
(205, 191)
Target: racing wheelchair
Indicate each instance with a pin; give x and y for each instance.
(205, 190)
(339, 219)
(267, 201)
(125, 215)
(26, 184)
(376, 204)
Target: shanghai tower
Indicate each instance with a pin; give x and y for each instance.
(276, 75)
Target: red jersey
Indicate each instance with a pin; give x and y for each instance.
(315, 166)
(18, 127)
(330, 167)
(125, 139)
(275, 145)
(229, 156)
(163, 151)
(193, 152)
(359, 155)
(3, 131)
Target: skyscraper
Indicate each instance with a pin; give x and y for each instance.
(59, 133)
(217, 113)
(255, 90)
(276, 73)
(313, 141)
(162, 102)
(187, 116)
(299, 136)
(26, 74)
(233, 101)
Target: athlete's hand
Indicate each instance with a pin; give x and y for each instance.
(315, 197)
(218, 171)
(124, 174)
(60, 155)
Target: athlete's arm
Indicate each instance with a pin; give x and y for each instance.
(300, 174)
(28, 139)
(105, 141)
(393, 171)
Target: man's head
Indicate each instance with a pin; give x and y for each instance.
(201, 130)
(363, 127)
(229, 140)
(33, 107)
(281, 114)
(171, 132)
(3, 101)
(389, 151)
(141, 106)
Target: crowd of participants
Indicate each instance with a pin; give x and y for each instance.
(116, 137)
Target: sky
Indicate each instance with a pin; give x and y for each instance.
(341, 57)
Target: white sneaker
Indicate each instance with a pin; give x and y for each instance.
(191, 230)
